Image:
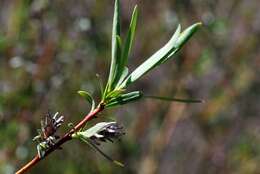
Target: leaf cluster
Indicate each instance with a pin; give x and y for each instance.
(119, 78)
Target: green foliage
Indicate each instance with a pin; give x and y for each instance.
(124, 98)
(119, 79)
(116, 46)
(45, 59)
(120, 52)
(171, 48)
(122, 69)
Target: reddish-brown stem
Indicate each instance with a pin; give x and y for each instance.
(64, 139)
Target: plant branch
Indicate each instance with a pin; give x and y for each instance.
(64, 139)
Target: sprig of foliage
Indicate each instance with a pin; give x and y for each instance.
(114, 93)
(119, 78)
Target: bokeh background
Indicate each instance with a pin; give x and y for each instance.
(51, 49)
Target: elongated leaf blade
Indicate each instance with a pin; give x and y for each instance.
(183, 38)
(154, 60)
(125, 98)
(187, 34)
(115, 33)
(130, 36)
(115, 93)
(94, 147)
(88, 97)
(165, 53)
(175, 99)
(118, 69)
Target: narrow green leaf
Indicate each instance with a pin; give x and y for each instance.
(125, 98)
(175, 99)
(88, 97)
(183, 38)
(162, 55)
(94, 147)
(118, 69)
(115, 93)
(115, 33)
(130, 36)
(186, 34)
(154, 60)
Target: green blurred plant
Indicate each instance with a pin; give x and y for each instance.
(119, 77)
(114, 92)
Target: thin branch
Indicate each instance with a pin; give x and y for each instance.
(64, 139)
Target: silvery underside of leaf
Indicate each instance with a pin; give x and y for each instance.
(101, 132)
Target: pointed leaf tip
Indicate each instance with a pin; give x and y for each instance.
(115, 52)
(187, 34)
(130, 36)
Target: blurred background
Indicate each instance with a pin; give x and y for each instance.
(51, 49)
